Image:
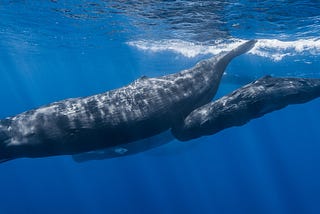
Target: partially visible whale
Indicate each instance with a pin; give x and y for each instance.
(253, 100)
(142, 109)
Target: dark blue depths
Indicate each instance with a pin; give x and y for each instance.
(270, 165)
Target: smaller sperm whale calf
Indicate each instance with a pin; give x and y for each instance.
(254, 100)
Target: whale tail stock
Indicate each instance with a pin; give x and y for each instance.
(225, 58)
(243, 48)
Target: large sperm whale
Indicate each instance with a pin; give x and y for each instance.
(142, 109)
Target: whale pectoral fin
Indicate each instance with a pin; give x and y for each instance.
(5, 160)
(173, 148)
(126, 149)
(100, 154)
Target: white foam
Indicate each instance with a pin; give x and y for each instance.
(187, 49)
(277, 50)
(270, 48)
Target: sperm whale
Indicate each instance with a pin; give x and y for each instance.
(253, 100)
(142, 109)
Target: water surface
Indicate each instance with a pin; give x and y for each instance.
(52, 50)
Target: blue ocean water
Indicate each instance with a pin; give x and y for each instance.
(52, 50)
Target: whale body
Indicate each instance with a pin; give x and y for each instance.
(253, 100)
(142, 109)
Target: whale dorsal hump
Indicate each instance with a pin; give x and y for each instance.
(143, 77)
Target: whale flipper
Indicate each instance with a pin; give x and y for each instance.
(5, 160)
(251, 101)
(126, 149)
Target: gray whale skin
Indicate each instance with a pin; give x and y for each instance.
(123, 121)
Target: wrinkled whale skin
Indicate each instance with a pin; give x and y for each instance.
(251, 101)
(144, 108)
